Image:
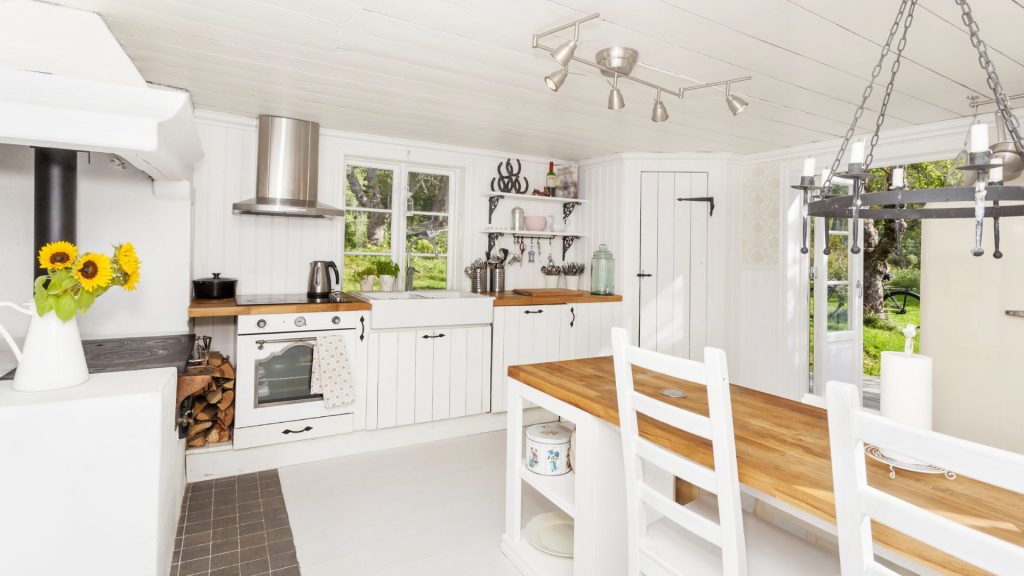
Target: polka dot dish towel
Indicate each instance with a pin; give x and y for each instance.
(332, 372)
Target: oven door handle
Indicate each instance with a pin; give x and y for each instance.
(260, 343)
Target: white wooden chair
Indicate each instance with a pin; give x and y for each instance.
(857, 503)
(676, 539)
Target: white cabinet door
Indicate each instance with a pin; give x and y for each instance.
(419, 376)
(522, 335)
(586, 329)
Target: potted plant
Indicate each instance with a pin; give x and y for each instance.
(366, 279)
(572, 272)
(551, 273)
(52, 356)
(387, 270)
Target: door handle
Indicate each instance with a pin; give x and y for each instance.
(533, 312)
(573, 321)
(306, 429)
(1017, 313)
(362, 327)
(425, 336)
(709, 199)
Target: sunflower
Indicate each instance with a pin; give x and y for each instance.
(93, 271)
(127, 259)
(57, 255)
(130, 280)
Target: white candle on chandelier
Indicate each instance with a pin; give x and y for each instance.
(898, 179)
(995, 174)
(809, 167)
(857, 152)
(979, 138)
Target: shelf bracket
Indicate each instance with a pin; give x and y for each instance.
(567, 243)
(493, 202)
(492, 239)
(567, 209)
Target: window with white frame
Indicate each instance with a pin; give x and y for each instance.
(398, 213)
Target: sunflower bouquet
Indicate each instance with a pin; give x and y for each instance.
(73, 282)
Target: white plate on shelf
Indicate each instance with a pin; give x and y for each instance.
(551, 533)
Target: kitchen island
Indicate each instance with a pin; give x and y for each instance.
(782, 450)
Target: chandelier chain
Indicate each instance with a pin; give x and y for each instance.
(994, 84)
(867, 93)
(889, 87)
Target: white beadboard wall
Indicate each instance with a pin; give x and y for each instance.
(271, 254)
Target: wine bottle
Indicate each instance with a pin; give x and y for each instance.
(551, 183)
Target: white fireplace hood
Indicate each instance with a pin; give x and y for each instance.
(66, 83)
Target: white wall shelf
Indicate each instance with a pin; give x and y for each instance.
(495, 198)
(560, 490)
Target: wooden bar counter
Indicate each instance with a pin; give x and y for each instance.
(782, 448)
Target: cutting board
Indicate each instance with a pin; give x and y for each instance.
(547, 292)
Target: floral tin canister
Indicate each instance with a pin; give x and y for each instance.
(547, 449)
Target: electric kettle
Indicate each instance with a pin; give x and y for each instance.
(319, 285)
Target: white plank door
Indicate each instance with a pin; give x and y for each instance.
(424, 370)
(673, 275)
(586, 329)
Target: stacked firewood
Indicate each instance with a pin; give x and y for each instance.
(211, 390)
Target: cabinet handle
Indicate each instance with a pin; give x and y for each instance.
(362, 328)
(425, 336)
(643, 275)
(306, 429)
(573, 321)
(533, 311)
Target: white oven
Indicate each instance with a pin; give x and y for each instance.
(273, 397)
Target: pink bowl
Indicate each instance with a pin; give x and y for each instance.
(535, 223)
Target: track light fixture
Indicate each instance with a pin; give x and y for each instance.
(615, 100)
(556, 79)
(660, 113)
(616, 62)
(735, 103)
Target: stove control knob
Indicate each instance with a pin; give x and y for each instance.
(336, 320)
(261, 323)
(300, 321)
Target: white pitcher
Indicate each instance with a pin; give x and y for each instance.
(52, 357)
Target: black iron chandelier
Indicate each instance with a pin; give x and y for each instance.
(983, 165)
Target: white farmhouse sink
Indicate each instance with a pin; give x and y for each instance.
(428, 308)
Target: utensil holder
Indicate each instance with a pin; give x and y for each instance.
(497, 280)
(479, 280)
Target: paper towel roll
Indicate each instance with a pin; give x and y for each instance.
(906, 393)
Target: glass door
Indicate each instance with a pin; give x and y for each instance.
(838, 302)
(285, 376)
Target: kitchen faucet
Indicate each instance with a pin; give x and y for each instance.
(410, 272)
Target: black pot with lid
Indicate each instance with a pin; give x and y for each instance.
(214, 288)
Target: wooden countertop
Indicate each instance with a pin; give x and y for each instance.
(226, 307)
(511, 299)
(782, 449)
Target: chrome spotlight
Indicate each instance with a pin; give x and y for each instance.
(615, 99)
(735, 103)
(660, 113)
(564, 53)
(556, 79)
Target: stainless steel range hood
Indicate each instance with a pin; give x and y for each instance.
(286, 171)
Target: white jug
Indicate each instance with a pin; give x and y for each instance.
(556, 224)
(52, 357)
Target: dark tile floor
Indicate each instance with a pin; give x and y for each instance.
(235, 526)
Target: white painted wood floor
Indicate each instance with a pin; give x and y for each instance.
(430, 510)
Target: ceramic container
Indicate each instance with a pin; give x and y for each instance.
(547, 449)
(52, 357)
(572, 282)
(387, 283)
(366, 283)
(536, 223)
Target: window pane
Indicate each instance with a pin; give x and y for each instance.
(358, 265)
(367, 231)
(431, 273)
(839, 258)
(367, 187)
(428, 192)
(427, 234)
(838, 307)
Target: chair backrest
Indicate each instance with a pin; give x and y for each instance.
(857, 503)
(723, 480)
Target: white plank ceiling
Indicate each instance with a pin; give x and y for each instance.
(462, 71)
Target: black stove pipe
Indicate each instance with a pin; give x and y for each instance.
(56, 199)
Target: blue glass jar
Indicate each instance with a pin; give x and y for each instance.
(602, 271)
